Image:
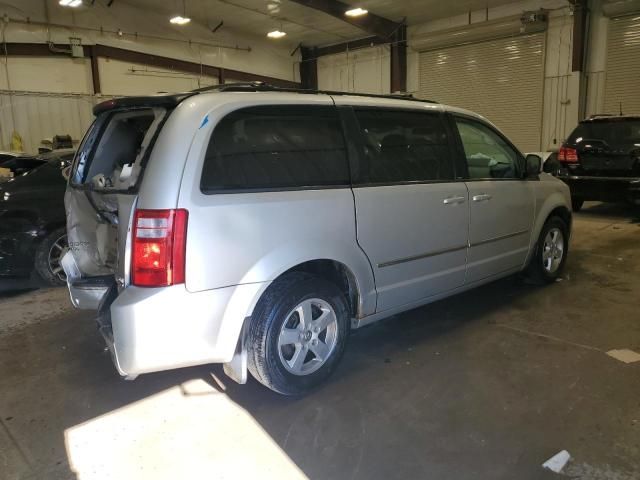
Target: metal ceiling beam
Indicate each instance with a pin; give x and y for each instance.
(93, 52)
(371, 23)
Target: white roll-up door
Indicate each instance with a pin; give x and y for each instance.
(502, 79)
(623, 66)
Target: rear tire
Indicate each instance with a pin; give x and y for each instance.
(551, 252)
(298, 333)
(576, 204)
(48, 256)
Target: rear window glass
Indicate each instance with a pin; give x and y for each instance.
(276, 147)
(110, 153)
(613, 132)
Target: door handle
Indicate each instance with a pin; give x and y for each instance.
(453, 200)
(481, 198)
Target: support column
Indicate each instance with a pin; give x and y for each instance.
(399, 60)
(95, 71)
(309, 68)
(580, 11)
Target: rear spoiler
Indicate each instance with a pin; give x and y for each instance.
(169, 101)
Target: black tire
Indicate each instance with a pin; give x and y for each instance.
(46, 253)
(274, 308)
(536, 271)
(576, 204)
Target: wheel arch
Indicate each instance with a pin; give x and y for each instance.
(337, 273)
(355, 281)
(354, 278)
(555, 205)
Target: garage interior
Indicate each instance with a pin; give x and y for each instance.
(491, 383)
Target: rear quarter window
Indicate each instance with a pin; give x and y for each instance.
(276, 147)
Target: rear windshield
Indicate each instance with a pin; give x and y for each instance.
(613, 132)
(113, 151)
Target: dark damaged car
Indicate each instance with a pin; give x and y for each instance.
(32, 224)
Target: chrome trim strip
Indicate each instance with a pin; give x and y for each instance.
(585, 177)
(502, 237)
(449, 250)
(420, 257)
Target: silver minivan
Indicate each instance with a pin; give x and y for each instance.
(255, 226)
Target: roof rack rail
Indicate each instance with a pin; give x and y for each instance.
(612, 116)
(598, 115)
(266, 87)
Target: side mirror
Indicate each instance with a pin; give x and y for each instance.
(66, 172)
(533, 165)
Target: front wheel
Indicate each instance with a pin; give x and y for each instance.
(298, 333)
(551, 251)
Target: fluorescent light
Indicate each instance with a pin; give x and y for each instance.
(276, 34)
(178, 20)
(70, 3)
(356, 12)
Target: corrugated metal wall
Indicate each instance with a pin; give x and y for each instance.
(37, 116)
(501, 79)
(623, 66)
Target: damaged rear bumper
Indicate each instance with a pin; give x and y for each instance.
(85, 293)
(154, 329)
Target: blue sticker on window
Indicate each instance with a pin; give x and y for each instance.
(205, 120)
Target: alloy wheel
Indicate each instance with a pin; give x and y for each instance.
(553, 250)
(308, 336)
(55, 256)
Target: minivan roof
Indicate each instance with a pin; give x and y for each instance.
(173, 100)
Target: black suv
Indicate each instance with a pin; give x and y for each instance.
(601, 160)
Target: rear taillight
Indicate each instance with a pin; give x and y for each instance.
(568, 155)
(159, 245)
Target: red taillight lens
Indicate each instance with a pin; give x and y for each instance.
(568, 155)
(159, 245)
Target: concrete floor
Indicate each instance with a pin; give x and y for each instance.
(489, 384)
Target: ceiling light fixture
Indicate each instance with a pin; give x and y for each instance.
(276, 34)
(70, 3)
(181, 19)
(356, 12)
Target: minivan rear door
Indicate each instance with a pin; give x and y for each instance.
(412, 213)
(102, 191)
